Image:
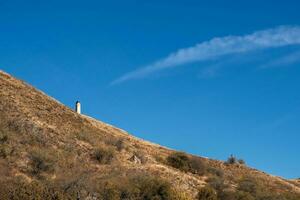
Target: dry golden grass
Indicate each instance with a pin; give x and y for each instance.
(62, 144)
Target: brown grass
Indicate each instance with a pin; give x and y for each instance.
(63, 144)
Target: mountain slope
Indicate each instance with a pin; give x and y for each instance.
(48, 144)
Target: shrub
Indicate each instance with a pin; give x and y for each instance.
(185, 163)
(248, 185)
(207, 193)
(3, 137)
(241, 162)
(5, 151)
(197, 166)
(231, 160)
(41, 162)
(120, 145)
(104, 155)
(217, 183)
(155, 188)
(139, 187)
(141, 156)
(179, 160)
(243, 196)
(160, 159)
(215, 171)
(110, 192)
(18, 189)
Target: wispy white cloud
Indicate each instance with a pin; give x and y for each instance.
(283, 61)
(216, 47)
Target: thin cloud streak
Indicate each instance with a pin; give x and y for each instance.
(283, 61)
(216, 47)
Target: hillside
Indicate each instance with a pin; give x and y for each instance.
(48, 151)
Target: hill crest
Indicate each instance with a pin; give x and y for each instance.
(74, 148)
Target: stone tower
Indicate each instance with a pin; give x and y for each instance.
(78, 107)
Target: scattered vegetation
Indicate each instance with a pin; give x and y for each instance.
(19, 189)
(141, 187)
(232, 160)
(49, 153)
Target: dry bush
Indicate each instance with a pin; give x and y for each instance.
(187, 163)
(120, 144)
(207, 193)
(243, 196)
(215, 171)
(41, 161)
(141, 156)
(104, 155)
(3, 137)
(146, 187)
(5, 151)
(249, 185)
(218, 184)
(197, 165)
(18, 189)
(179, 160)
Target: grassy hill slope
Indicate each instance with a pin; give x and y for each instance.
(48, 151)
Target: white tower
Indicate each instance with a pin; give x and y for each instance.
(78, 107)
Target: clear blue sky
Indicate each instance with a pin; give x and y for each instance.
(214, 99)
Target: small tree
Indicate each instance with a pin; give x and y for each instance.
(231, 160)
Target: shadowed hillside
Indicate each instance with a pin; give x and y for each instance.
(48, 151)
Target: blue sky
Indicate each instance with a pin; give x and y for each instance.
(211, 78)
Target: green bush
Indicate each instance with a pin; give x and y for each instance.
(186, 163)
(104, 155)
(156, 189)
(207, 193)
(179, 160)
